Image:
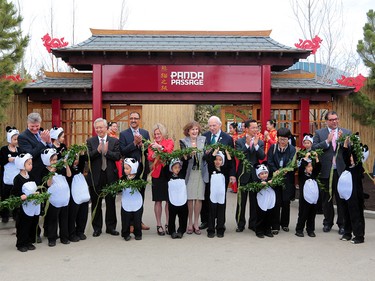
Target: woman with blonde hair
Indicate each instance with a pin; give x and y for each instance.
(196, 171)
(159, 176)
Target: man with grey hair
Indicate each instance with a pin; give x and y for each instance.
(34, 141)
(215, 135)
(103, 151)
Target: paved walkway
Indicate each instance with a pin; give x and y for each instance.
(237, 256)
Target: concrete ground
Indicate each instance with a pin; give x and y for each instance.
(237, 256)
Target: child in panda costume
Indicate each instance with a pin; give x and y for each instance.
(79, 200)
(350, 190)
(266, 199)
(27, 216)
(177, 198)
(308, 194)
(218, 169)
(131, 202)
(8, 168)
(58, 187)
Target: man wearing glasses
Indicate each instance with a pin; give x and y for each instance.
(326, 139)
(131, 141)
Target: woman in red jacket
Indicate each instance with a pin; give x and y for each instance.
(159, 175)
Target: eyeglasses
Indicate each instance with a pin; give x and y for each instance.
(282, 139)
(333, 119)
(133, 118)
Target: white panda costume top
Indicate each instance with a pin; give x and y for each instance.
(10, 169)
(217, 184)
(266, 197)
(131, 201)
(59, 189)
(177, 191)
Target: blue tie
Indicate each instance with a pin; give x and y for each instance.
(213, 140)
(38, 137)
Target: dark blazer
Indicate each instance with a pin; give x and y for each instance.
(328, 152)
(28, 143)
(225, 139)
(95, 160)
(253, 156)
(129, 150)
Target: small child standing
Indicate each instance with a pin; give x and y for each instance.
(308, 194)
(177, 198)
(27, 216)
(58, 187)
(266, 199)
(350, 189)
(218, 170)
(131, 202)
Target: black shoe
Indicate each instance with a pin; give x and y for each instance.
(275, 232)
(22, 249)
(138, 237)
(203, 225)
(31, 247)
(346, 237)
(285, 228)
(127, 238)
(96, 233)
(52, 243)
(239, 229)
(210, 235)
(82, 236)
(112, 232)
(260, 235)
(311, 234)
(341, 231)
(174, 235)
(220, 235)
(179, 235)
(74, 238)
(38, 239)
(357, 240)
(327, 228)
(268, 234)
(65, 241)
(299, 234)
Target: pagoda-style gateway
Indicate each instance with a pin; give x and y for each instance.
(145, 71)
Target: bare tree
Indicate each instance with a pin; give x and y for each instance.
(124, 13)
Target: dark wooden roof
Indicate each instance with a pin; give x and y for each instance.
(180, 47)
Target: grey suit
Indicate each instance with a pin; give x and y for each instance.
(326, 159)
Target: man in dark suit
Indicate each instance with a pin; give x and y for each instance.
(253, 148)
(34, 141)
(104, 151)
(131, 147)
(214, 135)
(326, 139)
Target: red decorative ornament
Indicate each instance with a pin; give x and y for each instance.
(356, 82)
(15, 78)
(50, 43)
(313, 44)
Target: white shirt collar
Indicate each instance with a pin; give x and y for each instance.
(105, 138)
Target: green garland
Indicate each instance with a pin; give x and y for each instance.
(116, 187)
(15, 201)
(253, 187)
(302, 153)
(355, 145)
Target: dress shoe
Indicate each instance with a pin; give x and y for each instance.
(31, 247)
(112, 232)
(74, 238)
(346, 237)
(138, 238)
(96, 233)
(52, 243)
(210, 234)
(268, 234)
(311, 234)
(260, 235)
(299, 234)
(326, 228)
(145, 227)
(239, 229)
(203, 225)
(22, 249)
(82, 236)
(65, 241)
(127, 238)
(179, 235)
(341, 231)
(174, 235)
(220, 235)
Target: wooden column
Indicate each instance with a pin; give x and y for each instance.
(265, 110)
(56, 108)
(97, 94)
(304, 118)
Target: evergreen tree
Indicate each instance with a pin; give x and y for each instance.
(366, 47)
(12, 46)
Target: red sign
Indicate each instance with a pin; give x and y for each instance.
(181, 78)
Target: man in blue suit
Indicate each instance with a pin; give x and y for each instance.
(214, 135)
(131, 147)
(326, 139)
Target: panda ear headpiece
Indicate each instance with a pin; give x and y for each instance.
(20, 160)
(11, 131)
(261, 168)
(55, 132)
(47, 154)
(133, 165)
(308, 137)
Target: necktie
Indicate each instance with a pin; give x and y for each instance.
(251, 142)
(334, 141)
(104, 160)
(213, 139)
(38, 137)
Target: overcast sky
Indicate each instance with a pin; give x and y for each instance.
(276, 15)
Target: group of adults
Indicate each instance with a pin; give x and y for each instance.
(108, 147)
